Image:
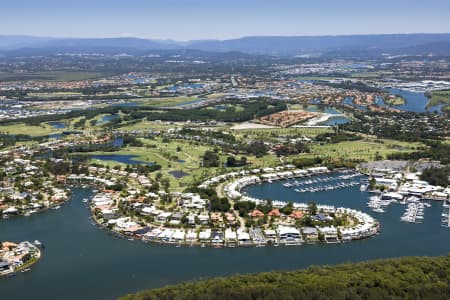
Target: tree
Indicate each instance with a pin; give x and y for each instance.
(210, 159)
(287, 209)
(312, 208)
(372, 183)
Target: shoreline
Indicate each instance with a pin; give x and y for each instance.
(336, 234)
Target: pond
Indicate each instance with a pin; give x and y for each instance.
(178, 174)
(107, 118)
(121, 158)
(57, 125)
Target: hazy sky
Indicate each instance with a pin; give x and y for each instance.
(220, 19)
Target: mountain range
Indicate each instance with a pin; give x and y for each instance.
(437, 44)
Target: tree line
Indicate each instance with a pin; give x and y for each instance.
(401, 278)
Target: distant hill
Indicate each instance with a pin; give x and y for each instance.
(403, 278)
(304, 44)
(280, 45)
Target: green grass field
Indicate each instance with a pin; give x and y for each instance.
(51, 76)
(277, 132)
(365, 75)
(187, 160)
(364, 150)
(21, 128)
(166, 101)
(55, 95)
(439, 97)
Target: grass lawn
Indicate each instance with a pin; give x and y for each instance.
(21, 128)
(439, 97)
(365, 75)
(361, 150)
(277, 132)
(55, 95)
(186, 160)
(167, 101)
(317, 78)
(146, 125)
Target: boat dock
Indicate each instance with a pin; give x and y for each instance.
(445, 214)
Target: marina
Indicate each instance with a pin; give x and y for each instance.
(145, 265)
(445, 214)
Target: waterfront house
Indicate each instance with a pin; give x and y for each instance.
(330, 234)
(311, 234)
(230, 237)
(178, 236)
(289, 235)
(191, 236)
(243, 238)
(271, 235)
(217, 238)
(204, 235)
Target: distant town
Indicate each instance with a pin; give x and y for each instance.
(147, 157)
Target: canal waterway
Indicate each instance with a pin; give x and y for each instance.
(82, 261)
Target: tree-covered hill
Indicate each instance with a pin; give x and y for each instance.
(403, 278)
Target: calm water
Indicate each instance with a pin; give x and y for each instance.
(322, 109)
(415, 102)
(349, 101)
(81, 261)
(107, 118)
(57, 125)
(128, 104)
(186, 86)
(337, 120)
(121, 158)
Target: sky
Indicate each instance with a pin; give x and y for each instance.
(220, 19)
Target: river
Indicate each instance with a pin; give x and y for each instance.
(81, 261)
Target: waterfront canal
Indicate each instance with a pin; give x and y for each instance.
(81, 261)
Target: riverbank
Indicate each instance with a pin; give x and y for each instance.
(338, 282)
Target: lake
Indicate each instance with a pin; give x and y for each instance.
(121, 158)
(81, 261)
(415, 102)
